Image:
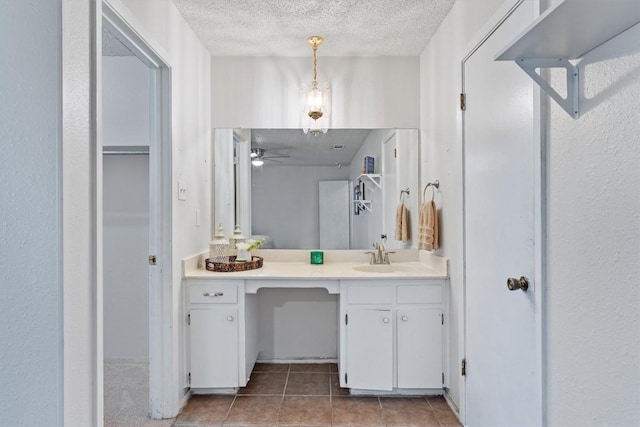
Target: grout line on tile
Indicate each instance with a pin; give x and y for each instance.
(230, 406)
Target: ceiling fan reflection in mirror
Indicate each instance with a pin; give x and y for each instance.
(258, 157)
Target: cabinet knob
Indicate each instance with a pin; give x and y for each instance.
(385, 320)
(405, 318)
(230, 318)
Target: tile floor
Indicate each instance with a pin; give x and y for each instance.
(309, 395)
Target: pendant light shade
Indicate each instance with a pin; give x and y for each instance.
(316, 98)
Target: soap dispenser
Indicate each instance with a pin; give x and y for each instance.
(219, 246)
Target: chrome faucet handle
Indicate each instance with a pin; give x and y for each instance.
(386, 257)
(372, 260)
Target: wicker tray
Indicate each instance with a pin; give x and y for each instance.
(232, 265)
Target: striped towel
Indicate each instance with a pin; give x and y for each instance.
(428, 236)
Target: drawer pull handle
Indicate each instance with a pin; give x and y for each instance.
(217, 294)
(405, 318)
(230, 318)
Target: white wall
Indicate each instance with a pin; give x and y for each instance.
(126, 248)
(297, 324)
(284, 203)
(593, 260)
(440, 153)
(161, 25)
(264, 92)
(125, 101)
(30, 213)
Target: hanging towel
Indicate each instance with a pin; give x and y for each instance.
(402, 223)
(428, 236)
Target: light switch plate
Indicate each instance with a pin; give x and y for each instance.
(182, 191)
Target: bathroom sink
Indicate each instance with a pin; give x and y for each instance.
(383, 268)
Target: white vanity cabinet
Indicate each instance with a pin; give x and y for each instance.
(391, 334)
(217, 330)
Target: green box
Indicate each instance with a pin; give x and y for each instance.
(317, 257)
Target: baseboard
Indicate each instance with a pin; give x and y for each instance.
(296, 360)
(451, 403)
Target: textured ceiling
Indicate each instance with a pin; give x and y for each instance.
(281, 27)
(303, 149)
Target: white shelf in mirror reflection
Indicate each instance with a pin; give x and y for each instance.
(374, 178)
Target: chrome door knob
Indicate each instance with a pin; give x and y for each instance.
(230, 318)
(405, 318)
(515, 284)
(385, 320)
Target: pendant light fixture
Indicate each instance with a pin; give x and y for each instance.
(317, 98)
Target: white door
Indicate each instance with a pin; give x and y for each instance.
(334, 214)
(419, 354)
(369, 349)
(390, 192)
(214, 348)
(502, 381)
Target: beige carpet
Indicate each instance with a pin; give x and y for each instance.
(126, 396)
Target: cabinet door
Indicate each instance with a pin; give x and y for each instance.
(419, 348)
(214, 348)
(369, 349)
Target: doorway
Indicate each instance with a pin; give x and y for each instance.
(137, 301)
(502, 237)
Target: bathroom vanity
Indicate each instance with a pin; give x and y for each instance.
(391, 319)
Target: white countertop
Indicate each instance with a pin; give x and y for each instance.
(339, 265)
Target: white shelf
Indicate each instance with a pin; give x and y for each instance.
(568, 31)
(572, 28)
(373, 177)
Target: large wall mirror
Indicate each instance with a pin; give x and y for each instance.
(314, 191)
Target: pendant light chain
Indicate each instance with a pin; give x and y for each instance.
(315, 64)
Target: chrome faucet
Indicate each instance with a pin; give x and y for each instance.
(380, 256)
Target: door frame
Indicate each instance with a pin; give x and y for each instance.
(162, 388)
(540, 113)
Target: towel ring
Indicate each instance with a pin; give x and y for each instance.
(434, 185)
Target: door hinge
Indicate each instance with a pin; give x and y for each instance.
(189, 319)
(346, 319)
(153, 260)
(443, 378)
(189, 378)
(463, 102)
(463, 367)
(442, 316)
(346, 378)
(395, 153)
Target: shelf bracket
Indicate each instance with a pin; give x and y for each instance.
(366, 204)
(373, 178)
(570, 103)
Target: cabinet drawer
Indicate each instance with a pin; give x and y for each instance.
(419, 294)
(370, 294)
(213, 293)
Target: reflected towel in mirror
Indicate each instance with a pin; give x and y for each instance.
(402, 223)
